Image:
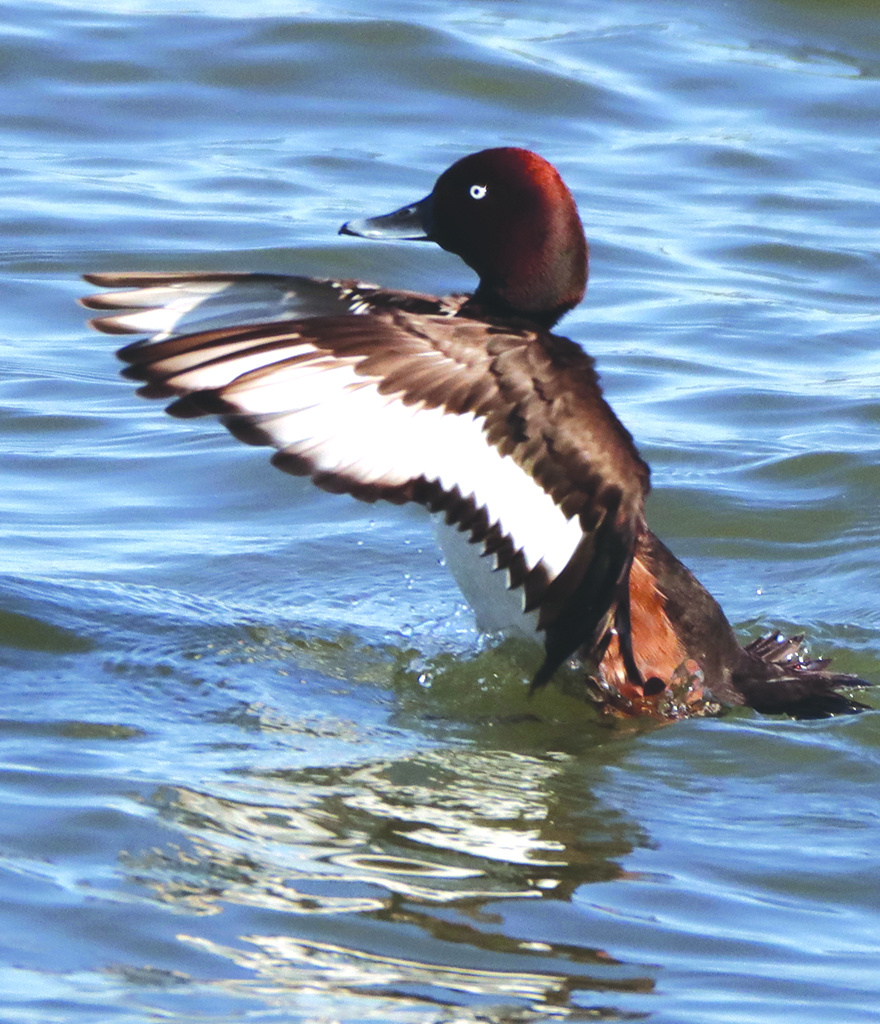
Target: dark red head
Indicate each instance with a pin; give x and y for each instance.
(509, 216)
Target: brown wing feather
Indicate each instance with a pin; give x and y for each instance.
(536, 396)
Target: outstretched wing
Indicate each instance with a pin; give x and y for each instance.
(504, 430)
(164, 304)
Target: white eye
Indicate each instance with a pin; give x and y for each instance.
(477, 191)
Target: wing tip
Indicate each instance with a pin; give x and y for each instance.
(113, 325)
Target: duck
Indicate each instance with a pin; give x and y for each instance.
(471, 406)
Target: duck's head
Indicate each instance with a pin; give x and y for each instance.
(508, 214)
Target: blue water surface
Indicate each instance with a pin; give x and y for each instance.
(256, 763)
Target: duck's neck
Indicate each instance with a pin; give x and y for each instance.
(541, 275)
(485, 304)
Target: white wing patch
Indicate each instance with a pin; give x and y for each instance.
(215, 367)
(320, 408)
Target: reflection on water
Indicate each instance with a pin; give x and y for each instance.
(285, 965)
(440, 845)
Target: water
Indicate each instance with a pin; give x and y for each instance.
(256, 762)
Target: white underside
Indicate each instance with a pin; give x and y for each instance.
(496, 607)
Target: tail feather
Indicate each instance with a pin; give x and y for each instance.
(780, 679)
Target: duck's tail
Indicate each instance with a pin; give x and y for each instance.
(690, 660)
(778, 678)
